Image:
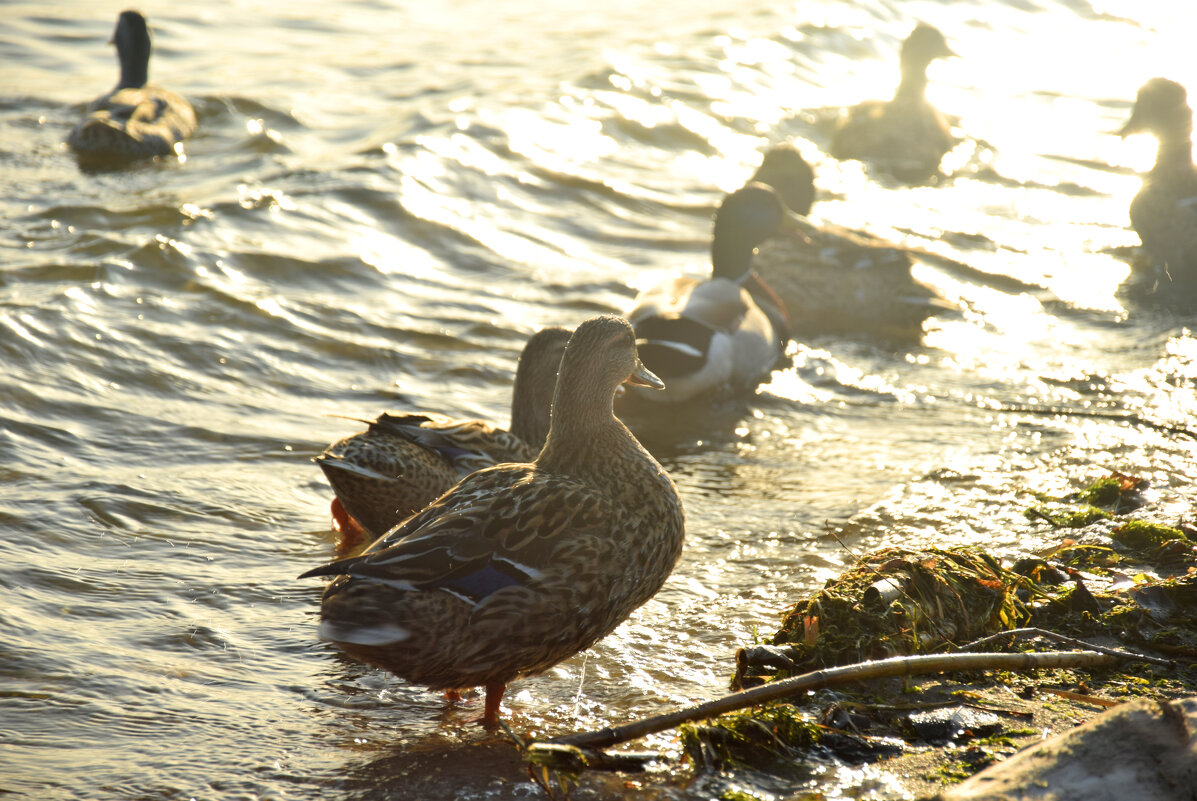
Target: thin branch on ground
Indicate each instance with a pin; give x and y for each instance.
(884, 668)
(1075, 643)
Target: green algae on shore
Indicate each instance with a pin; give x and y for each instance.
(898, 601)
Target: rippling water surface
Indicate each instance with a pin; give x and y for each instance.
(383, 201)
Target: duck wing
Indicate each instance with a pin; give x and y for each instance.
(468, 445)
(1164, 214)
(499, 527)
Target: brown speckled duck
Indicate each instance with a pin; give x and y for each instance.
(520, 566)
(713, 338)
(834, 280)
(402, 462)
(1164, 212)
(136, 119)
(906, 135)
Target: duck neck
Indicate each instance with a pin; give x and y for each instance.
(529, 421)
(135, 65)
(581, 444)
(731, 256)
(1176, 146)
(913, 86)
(772, 305)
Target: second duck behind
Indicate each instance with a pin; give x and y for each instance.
(713, 338)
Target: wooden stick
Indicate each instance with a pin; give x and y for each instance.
(1075, 643)
(883, 668)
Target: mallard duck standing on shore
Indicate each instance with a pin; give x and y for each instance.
(1164, 212)
(136, 119)
(906, 135)
(834, 280)
(719, 336)
(520, 566)
(403, 462)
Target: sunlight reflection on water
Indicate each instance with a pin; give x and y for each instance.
(383, 202)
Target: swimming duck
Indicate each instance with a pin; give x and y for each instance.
(906, 135)
(1164, 212)
(136, 119)
(722, 335)
(833, 280)
(402, 462)
(791, 175)
(520, 566)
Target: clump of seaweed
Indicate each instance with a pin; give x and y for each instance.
(1110, 495)
(898, 602)
(1117, 492)
(894, 602)
(767, 737)
(1165, 548)
(948, 610)
(1140, 535)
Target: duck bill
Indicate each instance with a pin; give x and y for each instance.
(794, 226)
(1133, 126)
(643, 377)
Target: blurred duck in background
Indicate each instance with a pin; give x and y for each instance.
(790, 175)
(833, 280)
(403, 462)
(905, 136)
(1164, 212)
(136, 119)
(716, 337)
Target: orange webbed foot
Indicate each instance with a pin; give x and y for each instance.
(350, 533)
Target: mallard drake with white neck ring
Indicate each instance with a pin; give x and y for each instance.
(716, 337)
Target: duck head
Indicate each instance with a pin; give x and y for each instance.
(132, 40)
(1161, 108)
(924, 44)
(601, 355)
(745, 219)
(784, 169)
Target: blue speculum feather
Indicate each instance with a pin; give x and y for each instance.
(479, 584)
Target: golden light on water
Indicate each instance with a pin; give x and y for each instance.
(374, 216)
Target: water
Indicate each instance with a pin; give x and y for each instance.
(383, 201)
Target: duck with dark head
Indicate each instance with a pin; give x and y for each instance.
(713, 338)
(834, 280)
(136, 119)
